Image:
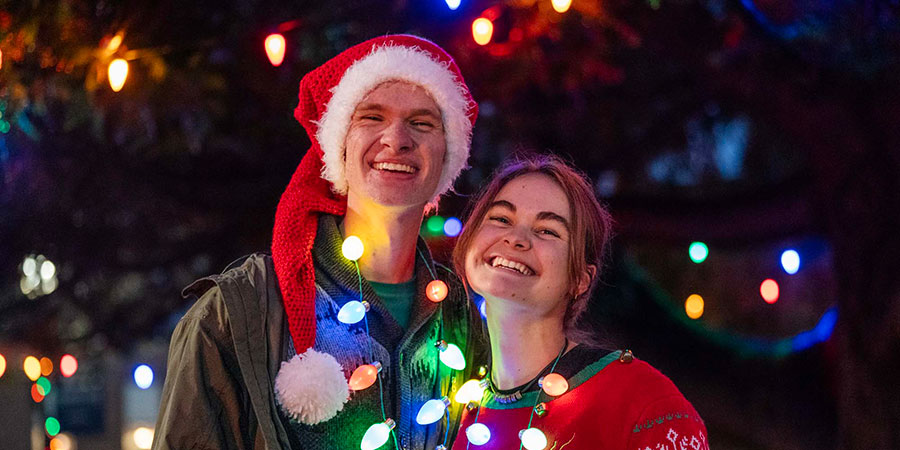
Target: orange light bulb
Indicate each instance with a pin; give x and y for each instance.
(364, 376)
(275, 47)
(554, 384)
(436, 291)
(482, 30)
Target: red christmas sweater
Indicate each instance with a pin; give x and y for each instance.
(614, 403)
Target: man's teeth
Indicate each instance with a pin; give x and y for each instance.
(517, 266)
(394, 167)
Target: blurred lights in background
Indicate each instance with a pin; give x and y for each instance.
(693, 306)
(118, 73)
(790, 261)
(275, 47)
(46, 366)
(38, 276)
(453, 4)
(482, 30)
(143, 437)
(36, 394)
(2, 365)
(62, 441)
(32, 368)
(52, 426)
(769, 291)
(43, 386)
(68, 365)
(698, 252)
(452, 227)
(143, 376)
(561, 6)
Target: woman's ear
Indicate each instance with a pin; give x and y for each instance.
(584, 282)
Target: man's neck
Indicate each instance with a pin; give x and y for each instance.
(521, 344)
(389, 235)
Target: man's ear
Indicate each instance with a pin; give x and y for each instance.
(584, 282)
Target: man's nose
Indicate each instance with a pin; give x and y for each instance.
(397, 136)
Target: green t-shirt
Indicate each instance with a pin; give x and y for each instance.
(398, 298)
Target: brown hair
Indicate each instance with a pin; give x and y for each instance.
(590, 234)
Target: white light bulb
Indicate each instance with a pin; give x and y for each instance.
(352, 248)
(790, 260)
(48, 270)
(432, 411)
(143, 376)
(533, 439)
(453, 4)
(478, 434)
(471, 391)
(377, 435)
(453, 358)
(352, 312)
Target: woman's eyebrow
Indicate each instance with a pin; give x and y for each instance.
(504, 204)
(547, 215)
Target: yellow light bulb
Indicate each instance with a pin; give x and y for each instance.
(693, 306)
(32, 368)
(470, 391)
(352, 248)
(275, 47)
(482, 30)
(118, 72)
(561, 6)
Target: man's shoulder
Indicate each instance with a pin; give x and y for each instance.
(252, 270)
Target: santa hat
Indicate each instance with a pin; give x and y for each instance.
(328, 98)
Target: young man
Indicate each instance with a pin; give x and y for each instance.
(261, 360)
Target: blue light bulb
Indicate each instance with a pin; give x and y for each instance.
(432, 411)
(452, 357)
(453, 4)
(352, 312)
(478, 434)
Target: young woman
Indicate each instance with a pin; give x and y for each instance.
(532, 247)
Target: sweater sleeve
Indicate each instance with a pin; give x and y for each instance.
(669, 423)
(203, 403)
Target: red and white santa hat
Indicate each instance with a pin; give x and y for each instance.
(328, 97)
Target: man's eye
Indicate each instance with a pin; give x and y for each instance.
(371, 117)
(422, 125)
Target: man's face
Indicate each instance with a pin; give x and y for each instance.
(395, 146)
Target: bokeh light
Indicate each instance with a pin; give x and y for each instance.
(52, 426)
(453, 4)
(43, 386)
(694, 306)
(790, 261)
(2, 365)
(46, 366)
(769, 291)
(561, 6)
(452, 227)
(118, 73)
(32, 368)
(143, 437)
(36, 394)
(143, 376)
(68, 365)
(275, 47)
(698, 252)
(482, 30)
(62, 441)
(435, 225)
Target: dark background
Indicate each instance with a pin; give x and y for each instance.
(753, 126)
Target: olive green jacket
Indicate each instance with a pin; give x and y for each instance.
(226, 351)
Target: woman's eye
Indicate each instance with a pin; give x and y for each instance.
(548, 232)
(499, 219)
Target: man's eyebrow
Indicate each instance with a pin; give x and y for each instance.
(369, 107)
(426, 112)
(547, 215)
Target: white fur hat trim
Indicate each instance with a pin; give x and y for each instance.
(311, 387)
(396, 62)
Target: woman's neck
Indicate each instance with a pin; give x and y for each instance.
(521, 345)
(389, 236)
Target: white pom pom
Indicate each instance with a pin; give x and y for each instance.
(311, 387)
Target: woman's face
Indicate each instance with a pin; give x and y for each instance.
(520, 251)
